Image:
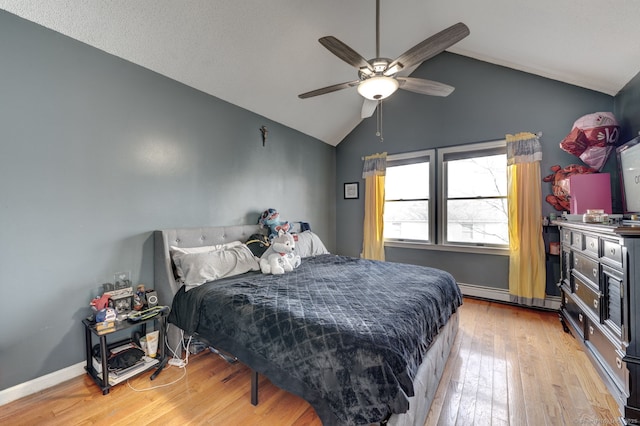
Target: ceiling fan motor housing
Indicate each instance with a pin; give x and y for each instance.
(377, 84)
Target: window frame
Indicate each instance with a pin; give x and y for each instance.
(406, 158)
(442, 195)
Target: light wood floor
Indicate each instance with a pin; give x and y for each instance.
(509, 366)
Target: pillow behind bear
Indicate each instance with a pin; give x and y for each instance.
(309, 244)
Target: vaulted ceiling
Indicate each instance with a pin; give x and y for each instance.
(260, 54)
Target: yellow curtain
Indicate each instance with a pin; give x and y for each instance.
(527, 268)
(374, 171)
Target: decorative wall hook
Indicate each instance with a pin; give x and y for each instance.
(264, 132)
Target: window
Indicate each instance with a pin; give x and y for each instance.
(469, 206)
(474, 194)
(408, 208)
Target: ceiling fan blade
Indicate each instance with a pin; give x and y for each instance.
(344, 52)
(368, 108)
(329, 89)
(425, 87)
(430, 47)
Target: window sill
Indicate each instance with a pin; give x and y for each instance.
(449, 248)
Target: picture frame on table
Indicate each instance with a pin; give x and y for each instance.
(351, 190)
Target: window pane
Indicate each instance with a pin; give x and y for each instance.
(477, 177)
(410, 181)
(477, 221)
(407, 220)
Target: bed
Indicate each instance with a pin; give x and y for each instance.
(374, 354)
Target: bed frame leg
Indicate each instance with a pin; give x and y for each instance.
(254, 387)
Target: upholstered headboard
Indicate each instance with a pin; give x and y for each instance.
(164, 280)
(165, 283)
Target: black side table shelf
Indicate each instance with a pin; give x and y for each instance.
(102, 379)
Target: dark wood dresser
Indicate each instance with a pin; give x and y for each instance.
(600, 286)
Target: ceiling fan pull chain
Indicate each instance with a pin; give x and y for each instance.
(379, 122)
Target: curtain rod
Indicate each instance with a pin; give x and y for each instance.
(539, 134)
(376, 155)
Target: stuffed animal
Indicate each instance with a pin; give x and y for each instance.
(560, 184)
(592, 138)
(270, 219)
(258, 244)
(279, 257)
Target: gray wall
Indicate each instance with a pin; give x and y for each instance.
(489, 102)
(96, 153)
(627, 109)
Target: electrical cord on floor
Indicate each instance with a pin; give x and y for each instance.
(184, 373)
(174, 361)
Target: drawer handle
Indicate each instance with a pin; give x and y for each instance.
(580, 317)
(577, 285)
(618, 362)
(576, 262)
(595, 303)
(612, 251)
(592, 244)
(566, 300)
(595, 272)
(590, 329)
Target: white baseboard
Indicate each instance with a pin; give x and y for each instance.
(500, 294)
(41, 383)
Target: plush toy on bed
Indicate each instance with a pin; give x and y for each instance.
(279, 257)
(270, 219)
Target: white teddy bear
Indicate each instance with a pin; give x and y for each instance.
(279, 257)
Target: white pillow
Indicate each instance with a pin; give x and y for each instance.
(173, 250)
(309, 244)
(199, 268)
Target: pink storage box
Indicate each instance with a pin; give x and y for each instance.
(590, 191)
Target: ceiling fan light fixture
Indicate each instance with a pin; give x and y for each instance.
(377, 88)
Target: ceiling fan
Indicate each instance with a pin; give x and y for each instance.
(377, 77)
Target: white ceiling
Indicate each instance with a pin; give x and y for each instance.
(261, 54)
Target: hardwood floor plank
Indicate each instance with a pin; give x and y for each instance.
(484, 396)
(500, 391)
(515, 394)
(508, 366)
(451, 386)
(472, 376)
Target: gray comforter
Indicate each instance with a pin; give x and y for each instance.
(345, 334)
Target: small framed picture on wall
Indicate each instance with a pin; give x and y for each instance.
(351, 190)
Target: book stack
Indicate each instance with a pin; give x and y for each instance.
(105, 327)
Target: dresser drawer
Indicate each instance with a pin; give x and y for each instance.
(588, 267)
(612, 251)
(566, 264)
(577, 240)
(588, 295)
(614, 311)
(610, 354)
(574, 312)
(591, 244)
